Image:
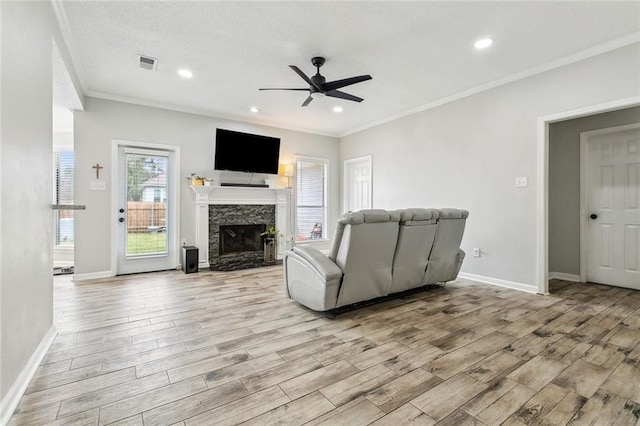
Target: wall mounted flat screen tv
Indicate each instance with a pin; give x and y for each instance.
(244, 152)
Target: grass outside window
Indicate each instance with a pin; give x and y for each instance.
(146, 243)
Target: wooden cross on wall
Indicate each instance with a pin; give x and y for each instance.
(97, 167)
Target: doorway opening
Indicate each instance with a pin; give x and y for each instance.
(358, 192)
(63, 191)
(558, 193)
(610, 206)
(145, 207)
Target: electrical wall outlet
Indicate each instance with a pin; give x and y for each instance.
(476, 252)
(522, 181)
(98, 185)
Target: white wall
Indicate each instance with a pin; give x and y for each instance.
(26, 295)
(102, 121)
(467, 154)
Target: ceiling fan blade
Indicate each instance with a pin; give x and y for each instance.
(282, 88)
(342, 95)
(337, 84)
(303, 76)
(307, 101)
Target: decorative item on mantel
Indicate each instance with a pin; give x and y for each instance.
(270, 245)
(197, 180)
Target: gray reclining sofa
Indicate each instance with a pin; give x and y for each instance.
(376, 253)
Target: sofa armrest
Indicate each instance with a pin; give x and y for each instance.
(321, 263)
(311, 278)
(461, 255)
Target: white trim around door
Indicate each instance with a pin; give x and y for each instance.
(347, 180)
(174, 216)
(542, 180)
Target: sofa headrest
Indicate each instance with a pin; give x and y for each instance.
(453, 214)
(418, 215)
(368, 216)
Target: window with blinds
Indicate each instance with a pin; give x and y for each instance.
(63, 169)
(311, 199)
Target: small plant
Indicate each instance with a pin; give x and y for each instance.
(198, 180)
(195, 176)
(271, 232)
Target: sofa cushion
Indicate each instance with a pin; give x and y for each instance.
(415, 239)
(444, 260)
(357, 218)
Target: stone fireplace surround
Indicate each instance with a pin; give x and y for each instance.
(207, 196)
(237, 214)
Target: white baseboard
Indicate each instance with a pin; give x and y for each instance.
(562, 276)
(12, 398)
(502, 283)
(92, 275)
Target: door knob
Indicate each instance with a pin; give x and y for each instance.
(593, 216)
(121, 220)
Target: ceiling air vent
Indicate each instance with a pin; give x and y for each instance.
(148, 63)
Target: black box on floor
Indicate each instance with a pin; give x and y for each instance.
(189, 259)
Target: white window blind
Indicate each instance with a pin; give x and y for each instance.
(64, 177)
(311, 178)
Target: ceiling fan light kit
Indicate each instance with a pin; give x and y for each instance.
(319, 87)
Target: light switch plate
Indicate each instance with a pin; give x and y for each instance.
(98, 186)
(522, 181)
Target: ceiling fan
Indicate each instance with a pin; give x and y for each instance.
(318, 86)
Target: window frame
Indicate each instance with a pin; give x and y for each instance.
(325, 162)
(57, 151)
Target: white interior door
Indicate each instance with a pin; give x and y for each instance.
(146, 210)
(613, 208)
(357, 184)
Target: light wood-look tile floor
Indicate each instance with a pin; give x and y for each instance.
(219, 348)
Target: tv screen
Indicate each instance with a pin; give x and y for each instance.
(244, 152)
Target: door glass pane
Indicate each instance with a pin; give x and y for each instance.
(146, 204)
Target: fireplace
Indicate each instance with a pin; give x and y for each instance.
(234, 235)
(216, 206)
(240, 238)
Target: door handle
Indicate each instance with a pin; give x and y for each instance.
(593, 216)
(121, 220)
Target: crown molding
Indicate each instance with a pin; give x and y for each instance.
(206, 113)
(558, 63)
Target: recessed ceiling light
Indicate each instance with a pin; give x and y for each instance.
(337, 109)
(185, 73)
(254, 109)
(483, 43)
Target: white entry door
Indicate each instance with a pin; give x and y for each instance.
(146, 210)
(613, 207)
(357, 184)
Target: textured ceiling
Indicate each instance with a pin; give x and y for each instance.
(417, 52)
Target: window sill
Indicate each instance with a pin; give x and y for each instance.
(311, 242)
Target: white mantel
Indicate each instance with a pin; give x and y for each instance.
(207, 195)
